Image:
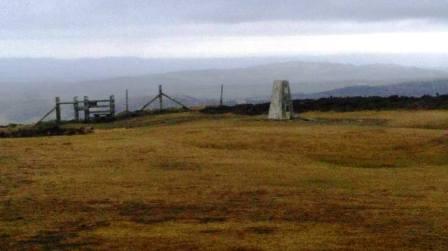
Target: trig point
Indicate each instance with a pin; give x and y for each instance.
(281, 104)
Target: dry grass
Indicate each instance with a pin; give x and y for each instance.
(435, 119)
(199, 182)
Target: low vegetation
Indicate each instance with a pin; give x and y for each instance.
(343, 104)
(192, 181)
(41, 130)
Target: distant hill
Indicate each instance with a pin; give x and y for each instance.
(24, 101)
(76, 70)
(82, 69)
(412, 89)
(305, 77)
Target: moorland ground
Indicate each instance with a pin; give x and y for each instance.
(188, 181)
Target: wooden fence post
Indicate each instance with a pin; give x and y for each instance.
(76, 108)
(221, 96)
(127, 101)
(160, 97)
(112, 105)
(86, 109)
(58, 109)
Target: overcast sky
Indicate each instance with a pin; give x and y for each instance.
(220, 28)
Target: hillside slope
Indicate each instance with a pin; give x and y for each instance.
(411, 89)
(195, 182)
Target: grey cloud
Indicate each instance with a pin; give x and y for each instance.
(60, 14)
(308, 10)
(66, 14)
(75, 28)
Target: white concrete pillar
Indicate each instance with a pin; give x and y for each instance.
(281, 107)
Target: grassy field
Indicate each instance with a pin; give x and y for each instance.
(186, 181)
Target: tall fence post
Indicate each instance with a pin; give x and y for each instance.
(112, 105)
(127, 101)
(58, 109)
(86, 109)
(160, 97)
(221, 96)
(76, 108)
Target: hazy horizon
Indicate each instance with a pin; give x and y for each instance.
(44, 69)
